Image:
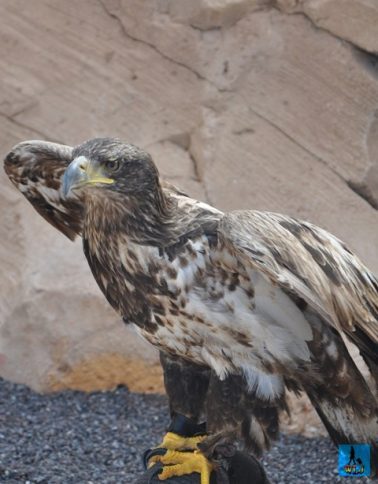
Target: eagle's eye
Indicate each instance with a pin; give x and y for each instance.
(113, 165)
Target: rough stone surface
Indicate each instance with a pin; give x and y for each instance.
(259, 104)
(211, 14)
(352, 20)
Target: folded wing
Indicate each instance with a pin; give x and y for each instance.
(36, 168)
(310, 263)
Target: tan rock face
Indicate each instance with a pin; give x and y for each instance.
(210, 14)
(352, 20)
(241, 103)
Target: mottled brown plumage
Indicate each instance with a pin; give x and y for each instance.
(239, 304)
(36, 168)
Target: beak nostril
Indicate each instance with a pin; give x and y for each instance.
(81, 163)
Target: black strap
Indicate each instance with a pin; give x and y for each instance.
(186, 427)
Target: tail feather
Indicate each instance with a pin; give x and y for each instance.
(345, 403)
(346, 425)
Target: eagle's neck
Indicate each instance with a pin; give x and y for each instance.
(161, 218)
(145, 220)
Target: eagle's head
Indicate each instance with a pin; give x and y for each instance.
(107, 166)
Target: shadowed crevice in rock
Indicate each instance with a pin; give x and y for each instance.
(365, 192)
(367, 60)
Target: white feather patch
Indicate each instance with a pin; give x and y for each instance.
(267, 387)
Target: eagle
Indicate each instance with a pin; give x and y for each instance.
(242, 305)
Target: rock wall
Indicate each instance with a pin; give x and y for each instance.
(259, 104)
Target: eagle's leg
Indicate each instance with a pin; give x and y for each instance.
(236, 412)
(186, 385)
(224, 409)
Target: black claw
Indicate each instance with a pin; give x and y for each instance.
(151, 453)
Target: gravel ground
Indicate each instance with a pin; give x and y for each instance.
(76, 438)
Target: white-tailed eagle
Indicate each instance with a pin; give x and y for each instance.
(241, 305)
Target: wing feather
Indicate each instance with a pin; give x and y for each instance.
(36, 168)
(309, 263)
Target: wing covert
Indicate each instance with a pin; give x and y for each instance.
(309, 263)
(36, 168)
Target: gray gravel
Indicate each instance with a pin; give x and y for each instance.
(74, 438)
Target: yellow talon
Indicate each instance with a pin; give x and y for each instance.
(172, 441)
(181, 463)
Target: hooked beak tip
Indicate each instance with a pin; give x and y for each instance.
(75, 175)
